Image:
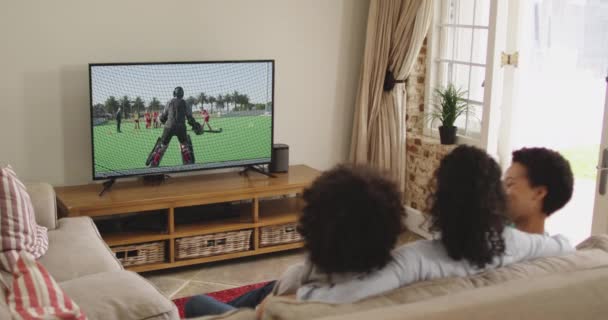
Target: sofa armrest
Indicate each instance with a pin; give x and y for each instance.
(123, 295)
(44, 202)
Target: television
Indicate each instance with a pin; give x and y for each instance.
(159, 118)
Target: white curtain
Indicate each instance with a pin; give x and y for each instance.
(396, 30)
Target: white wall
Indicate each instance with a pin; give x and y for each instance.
(45, 48)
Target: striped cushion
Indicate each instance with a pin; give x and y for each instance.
(36, 295)
(18, 228)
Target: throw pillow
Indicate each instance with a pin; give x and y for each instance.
(18, 228)
(35, 294)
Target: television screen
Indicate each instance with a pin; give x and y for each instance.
(155, 118)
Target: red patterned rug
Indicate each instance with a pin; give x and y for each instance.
(223, 296)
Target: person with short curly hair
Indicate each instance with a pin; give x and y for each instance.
(350, 222)
(538, 183)
(467, 210)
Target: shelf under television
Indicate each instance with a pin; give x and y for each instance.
(234, 224)
(281, 211)
(202, 228)
(134, 237)
(243, 220)
(267, 201)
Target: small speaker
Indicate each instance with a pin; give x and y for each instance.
(279, 158)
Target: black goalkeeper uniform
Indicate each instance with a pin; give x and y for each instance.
(174, 117)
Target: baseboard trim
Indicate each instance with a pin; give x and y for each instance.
(417, 223)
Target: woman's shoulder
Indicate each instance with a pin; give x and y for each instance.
(519, 243)
(511, 233)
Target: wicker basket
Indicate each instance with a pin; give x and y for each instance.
(213, 244)
(138, 254)
(284, 233)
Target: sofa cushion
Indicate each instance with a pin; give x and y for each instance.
(44, 202)
(121, 295)
(593, 254)
(579, 294)
(35, 295)
(597, 242)
(18, 228)
(76, 249)
(240, 314)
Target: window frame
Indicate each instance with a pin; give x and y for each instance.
(485, 137)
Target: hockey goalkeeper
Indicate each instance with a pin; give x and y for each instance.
(174, 118)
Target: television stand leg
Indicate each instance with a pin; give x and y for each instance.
(107, 185)
(155, 179)
(256, 169)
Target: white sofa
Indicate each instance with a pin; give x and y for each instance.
(87, 270)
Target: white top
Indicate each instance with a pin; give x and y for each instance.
(427, 260)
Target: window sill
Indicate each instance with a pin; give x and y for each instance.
(432, 136)
(422, 144)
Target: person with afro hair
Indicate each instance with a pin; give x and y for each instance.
(467, 211)
(350, 222)
(538, 183)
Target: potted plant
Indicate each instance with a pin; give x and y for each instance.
(449, 105)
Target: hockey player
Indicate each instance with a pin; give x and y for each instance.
(156, 122)
(118, 120)
(136, 121)
(148, 119)
(205, 116)
(174, 118)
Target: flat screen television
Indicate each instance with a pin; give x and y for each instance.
(158, 118)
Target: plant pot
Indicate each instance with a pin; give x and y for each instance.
(447, 135)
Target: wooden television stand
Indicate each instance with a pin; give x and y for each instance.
(253, 200)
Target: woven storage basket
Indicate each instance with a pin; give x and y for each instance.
(138, 254)
(213, 244)
(284, 233)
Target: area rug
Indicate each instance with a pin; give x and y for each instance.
(223, 296)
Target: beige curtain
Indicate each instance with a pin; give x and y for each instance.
(395, 33)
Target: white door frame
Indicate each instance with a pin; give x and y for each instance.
(493, 87)
(600, 211)
(509, 90)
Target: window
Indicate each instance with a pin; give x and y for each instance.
(458, 51)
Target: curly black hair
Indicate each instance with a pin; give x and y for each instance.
(548, 168)
(351, 219)
(468, 205)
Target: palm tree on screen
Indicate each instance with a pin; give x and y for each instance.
(202, 98)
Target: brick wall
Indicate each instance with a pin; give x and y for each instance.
(414, 87)
(423, 156)
(423, 153)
